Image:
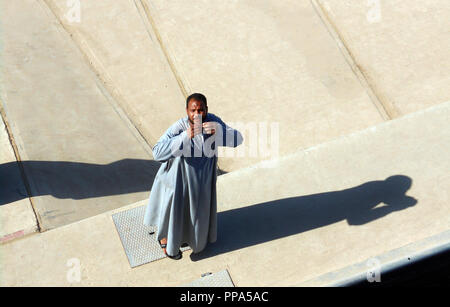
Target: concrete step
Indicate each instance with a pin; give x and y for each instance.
(283, 222)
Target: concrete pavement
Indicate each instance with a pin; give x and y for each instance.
(342, 202)
(17, 218)
(359, 91)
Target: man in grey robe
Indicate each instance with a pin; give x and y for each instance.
(182, 202)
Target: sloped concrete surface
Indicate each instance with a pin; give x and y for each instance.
(331, 210)
(75, 146)
(280, 65)
(401, 47)
(119, 42)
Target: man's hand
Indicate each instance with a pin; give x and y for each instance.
(209, 127)
(193, 130)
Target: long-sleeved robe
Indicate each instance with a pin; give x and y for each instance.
(182, 202)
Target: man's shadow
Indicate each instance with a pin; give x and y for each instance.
(259, 223)
(77, 180)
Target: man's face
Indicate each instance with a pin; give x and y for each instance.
(196, 107)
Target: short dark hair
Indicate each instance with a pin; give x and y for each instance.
(198, 97)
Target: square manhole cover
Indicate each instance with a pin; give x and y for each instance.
(140, 247)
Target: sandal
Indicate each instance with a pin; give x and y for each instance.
(176, 257)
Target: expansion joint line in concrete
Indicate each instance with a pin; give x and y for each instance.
(386, 109)
(113, 94)
(165, 48)
(19, 163)
(182, 82)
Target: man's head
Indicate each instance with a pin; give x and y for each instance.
(196, 104)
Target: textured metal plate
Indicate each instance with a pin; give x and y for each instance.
(219, 279)
(140, 247)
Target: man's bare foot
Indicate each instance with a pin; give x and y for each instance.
(163, 244)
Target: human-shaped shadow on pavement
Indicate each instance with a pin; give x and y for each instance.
(76, 180)
(263, 222)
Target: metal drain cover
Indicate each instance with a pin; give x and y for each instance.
(219, 279)
(140, 247)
